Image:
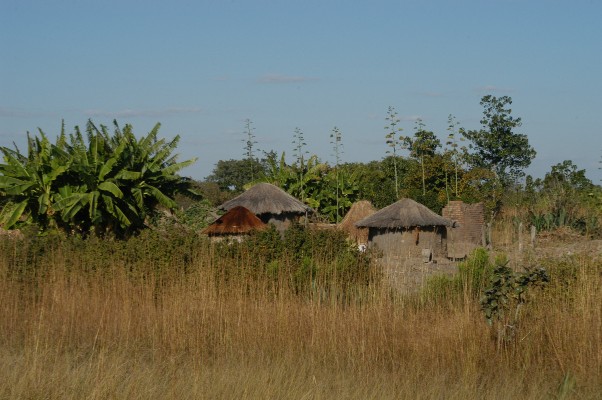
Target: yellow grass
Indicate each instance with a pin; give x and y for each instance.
(69, 330)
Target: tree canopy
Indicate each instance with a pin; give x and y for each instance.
(496, 145)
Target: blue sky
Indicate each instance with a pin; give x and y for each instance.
(202, 67)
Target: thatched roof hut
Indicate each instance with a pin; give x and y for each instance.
(271, 204)
(405, 213)
(237, 221)
(405, 228)
(358, 211)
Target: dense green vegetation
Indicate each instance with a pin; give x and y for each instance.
(99, 182)
(485, 165)
(114, 183)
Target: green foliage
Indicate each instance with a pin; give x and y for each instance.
(506, 294)
(481, 185)
(374, 179)
(329, 191)
(565, 197)
(197, 216)
(423, 145)
(425, 181)
(233, 175)
(211, 192)
(153, 254)
(335, 195)
(97, 182)
(496, 146)
(308, 260)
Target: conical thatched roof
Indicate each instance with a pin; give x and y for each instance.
(265, 198)
(236, 221)
(358, 211)
(403, 214)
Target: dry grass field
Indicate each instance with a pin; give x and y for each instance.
(99, 321)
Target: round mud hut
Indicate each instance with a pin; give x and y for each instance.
(234, 224)
(406, 228)
(271, 204)
(358, 211)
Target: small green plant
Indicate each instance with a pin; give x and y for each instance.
(505, 296)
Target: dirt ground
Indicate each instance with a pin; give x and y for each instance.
(410, 274)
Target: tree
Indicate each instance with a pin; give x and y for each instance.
(374, 179)
(99, 182)
(496, 146)
(564, 199)
(232, 175)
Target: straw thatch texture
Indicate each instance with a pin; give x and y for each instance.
(358, 211)
(403, 214)
(236, 221)
(265, 198)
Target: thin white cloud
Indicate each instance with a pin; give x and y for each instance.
(19, 113)
(130, 113)
(277, 78)
(410, 118)
(493, 88)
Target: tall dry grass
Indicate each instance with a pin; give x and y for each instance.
(102, 320)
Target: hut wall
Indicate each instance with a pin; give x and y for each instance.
(280, 221)
(467, 236)
(403, 243)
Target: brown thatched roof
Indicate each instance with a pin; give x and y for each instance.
(236, 221)
(265, 198)
(403, 214)
(358, 211)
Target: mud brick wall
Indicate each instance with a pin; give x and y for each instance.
(470, 217)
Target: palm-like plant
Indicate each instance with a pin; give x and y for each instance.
(27, 182)
(103, 182)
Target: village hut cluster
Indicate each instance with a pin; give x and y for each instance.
(405, 229)
(268, 204)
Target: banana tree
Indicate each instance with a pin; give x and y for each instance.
(27, 182)
(99, 181)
